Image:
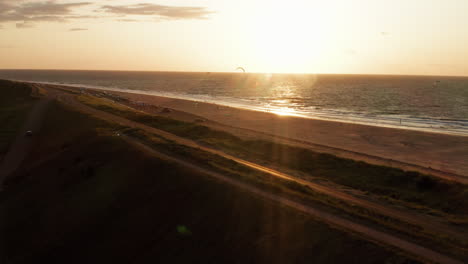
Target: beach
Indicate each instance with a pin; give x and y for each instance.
(438, 154)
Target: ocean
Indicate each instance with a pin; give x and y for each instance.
(429, 103)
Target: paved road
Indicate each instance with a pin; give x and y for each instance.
(22, 145)
(363, 230)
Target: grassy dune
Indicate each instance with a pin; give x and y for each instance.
(412, 189)
(304, 194)
(85, 196)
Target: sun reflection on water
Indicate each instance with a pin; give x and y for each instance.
(284, 111)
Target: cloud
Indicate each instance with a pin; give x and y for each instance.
(77, 29)
(159, 11)
(25, 13)
(128, 20)
(24, 25)
(47, 8)
(28, 12)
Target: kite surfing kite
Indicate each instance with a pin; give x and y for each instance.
(240, 68)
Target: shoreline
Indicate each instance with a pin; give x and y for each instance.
(431, 153)
(422, 124)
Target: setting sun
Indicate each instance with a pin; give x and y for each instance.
(288, 38)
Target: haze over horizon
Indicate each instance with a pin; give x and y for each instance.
(337, 36)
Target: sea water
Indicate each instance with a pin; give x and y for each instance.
(431, 103)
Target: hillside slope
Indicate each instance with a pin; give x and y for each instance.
(83, 195)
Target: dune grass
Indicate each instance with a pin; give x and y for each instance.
(412, 188)
(299, 192)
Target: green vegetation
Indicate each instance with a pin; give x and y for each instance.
(15, 103)
(85, 188)
(412, 188)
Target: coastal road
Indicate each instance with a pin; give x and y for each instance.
(366, 231)
(21, 146)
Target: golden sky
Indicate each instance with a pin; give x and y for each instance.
(333, 36)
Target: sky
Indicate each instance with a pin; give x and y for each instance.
(418, 37)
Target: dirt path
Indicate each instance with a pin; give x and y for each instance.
(22, 144)
(371, 233)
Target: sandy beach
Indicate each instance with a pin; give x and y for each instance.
(440, 154)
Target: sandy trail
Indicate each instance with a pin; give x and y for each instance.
(366, 231)
(22, 145)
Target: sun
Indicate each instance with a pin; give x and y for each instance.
(288, 38)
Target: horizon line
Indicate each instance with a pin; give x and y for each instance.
(284, 73)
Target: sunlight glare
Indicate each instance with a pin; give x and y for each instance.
(284, 111)
(289, 38)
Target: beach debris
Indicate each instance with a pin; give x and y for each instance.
(240, 68)
(166, 110)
